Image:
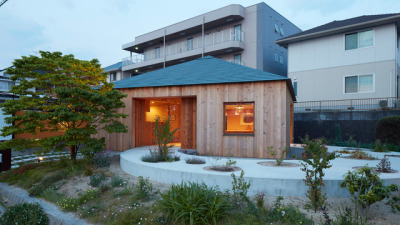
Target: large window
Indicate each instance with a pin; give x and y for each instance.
(359, 39)
(359, 83)
(113, 76)
(237, 59)
(239, 118)
(238, 33)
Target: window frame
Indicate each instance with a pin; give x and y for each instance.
(225, 122)
(113, 75)
(358, 84)
(358, 39)
(189, 44)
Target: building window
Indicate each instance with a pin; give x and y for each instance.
(282, 33)
(359, 83)
(157, 52)
(237, 59)
(359, 40)
(276, 28)
(190, 44)
(281, 59)
(238, 32)
(113, 76)
(239, 118)
(276, 57)
(295, 88)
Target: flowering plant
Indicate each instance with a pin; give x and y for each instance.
(102, 159)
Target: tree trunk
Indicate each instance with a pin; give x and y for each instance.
(73, 150)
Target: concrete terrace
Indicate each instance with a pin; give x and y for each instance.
(277, 181)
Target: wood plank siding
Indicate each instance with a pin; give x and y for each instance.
(203, 117)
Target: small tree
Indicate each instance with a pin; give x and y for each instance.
(56, 94)
(366, 188)
(317, 160)
(163, 136)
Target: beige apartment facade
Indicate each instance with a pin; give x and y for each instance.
(352, 59)
(242, 35)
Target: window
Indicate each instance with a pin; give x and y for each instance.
(113, 77)
(359, 40)
(295, 88)
(276, 28)
(157, 52)
(281, 59)
(237, 59)
(276, 57)
(238, 32)
(282, 33)
(190, 44)
(239, 118)
(359, 84)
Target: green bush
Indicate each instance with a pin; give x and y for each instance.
(117, 181)
(366, 188)
(359, 154)
(143, 189)
(26, 213)
(192, 203)
(102, 159)
(388, 130)
(345, 215)
(286, 214)
(154, 157)
(163, 136)
(239, 186)
(195, 160)
(96, 179)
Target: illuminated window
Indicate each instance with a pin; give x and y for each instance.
(239, 118)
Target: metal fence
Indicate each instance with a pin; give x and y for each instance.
(365, 104)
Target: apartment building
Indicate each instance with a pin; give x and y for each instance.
(5, 86)
(242, 35)
(115, 72)
(356, 58)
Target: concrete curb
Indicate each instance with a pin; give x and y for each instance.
(16, 195)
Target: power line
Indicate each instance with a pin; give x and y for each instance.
(2, 2)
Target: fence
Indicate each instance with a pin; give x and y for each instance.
(365, 104)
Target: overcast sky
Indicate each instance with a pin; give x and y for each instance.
(97, 28)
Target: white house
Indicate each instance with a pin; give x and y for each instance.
(356, 58)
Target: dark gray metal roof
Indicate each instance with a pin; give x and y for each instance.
(341, 26)
(206, 70)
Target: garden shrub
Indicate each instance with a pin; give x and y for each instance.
(163, 136)
(123, 192)
(192, 203)
(278, 159)
(384, 166)
(104, 187)
(239, 186)
(69, 204)
(143, 189)
(388, 130)
(286, 214)
(359, 154)
(195, 160)
(318, 159)
(117, 181)
(96, 179)
(154, 157)
(26, 213)
(345, 215)
(366, 188)
(102, 159)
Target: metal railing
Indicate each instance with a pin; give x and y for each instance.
(185, 46)
(365, 104)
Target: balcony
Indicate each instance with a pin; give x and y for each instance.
(214, 43)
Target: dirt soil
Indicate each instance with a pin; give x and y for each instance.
(380, 213)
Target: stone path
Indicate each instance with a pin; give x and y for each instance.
(15, 195)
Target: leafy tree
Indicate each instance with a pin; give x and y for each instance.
(57, 94)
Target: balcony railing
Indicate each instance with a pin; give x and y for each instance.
(366, 104)
(215, 38)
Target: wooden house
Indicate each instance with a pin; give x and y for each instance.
(220, 108)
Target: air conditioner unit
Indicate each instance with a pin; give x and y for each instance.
(383, 104)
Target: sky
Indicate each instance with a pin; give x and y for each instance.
(97, 29)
